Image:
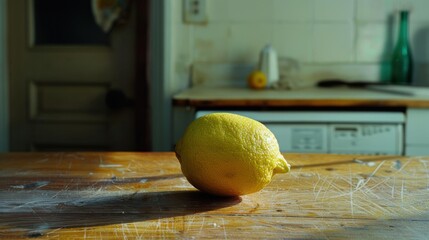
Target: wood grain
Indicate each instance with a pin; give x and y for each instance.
(144, 195)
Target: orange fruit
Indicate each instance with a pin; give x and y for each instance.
(257, 80)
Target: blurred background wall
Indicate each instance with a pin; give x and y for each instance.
(350, 39)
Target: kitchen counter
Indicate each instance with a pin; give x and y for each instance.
(115, 195)
(412, 102)
(306, 97)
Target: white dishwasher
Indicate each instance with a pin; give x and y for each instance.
(352, 132)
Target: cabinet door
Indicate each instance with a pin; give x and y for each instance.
(417, 132)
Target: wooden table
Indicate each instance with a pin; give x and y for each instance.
(144, 195)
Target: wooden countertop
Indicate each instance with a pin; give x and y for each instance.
(144, 195)
(308, 97)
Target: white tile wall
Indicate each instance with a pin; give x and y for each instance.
(378, 10)
(419, 10)
(373, 42)
(333, 42)
(333, 10)
(217, 11)
(210, 43)
(374, 10)
(293, 10)
(294, 40)
(313, 32)
(246, 41)
(249, 11)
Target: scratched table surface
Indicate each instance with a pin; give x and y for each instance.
(144, 195)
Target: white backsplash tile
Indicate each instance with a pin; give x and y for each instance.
(294, 41)
(293, 10)
(311, 73)
(250, 11)
(374, 42)
(245, 41)
(333, 42)
(210, 43)
(221, 74)
(419, 10)
(334, 10)
(374, 10)
(217, 10)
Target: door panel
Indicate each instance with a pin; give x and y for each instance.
(57, 90)
(60, 101)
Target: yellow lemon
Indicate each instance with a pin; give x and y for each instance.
(229, 155)
(257, 80)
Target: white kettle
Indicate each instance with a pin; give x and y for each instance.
(268, 64)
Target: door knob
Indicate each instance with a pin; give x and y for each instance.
(116, 99)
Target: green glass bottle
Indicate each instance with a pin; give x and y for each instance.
(402, 61)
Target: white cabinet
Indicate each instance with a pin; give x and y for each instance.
(417, 132)
(352, 132)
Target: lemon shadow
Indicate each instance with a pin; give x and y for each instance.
(108, 210)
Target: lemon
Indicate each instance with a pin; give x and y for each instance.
(229, 155)
(257, 80)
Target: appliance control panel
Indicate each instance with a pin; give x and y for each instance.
(366, 138)
(339, 138)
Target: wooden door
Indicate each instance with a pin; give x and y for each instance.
(60, 73)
